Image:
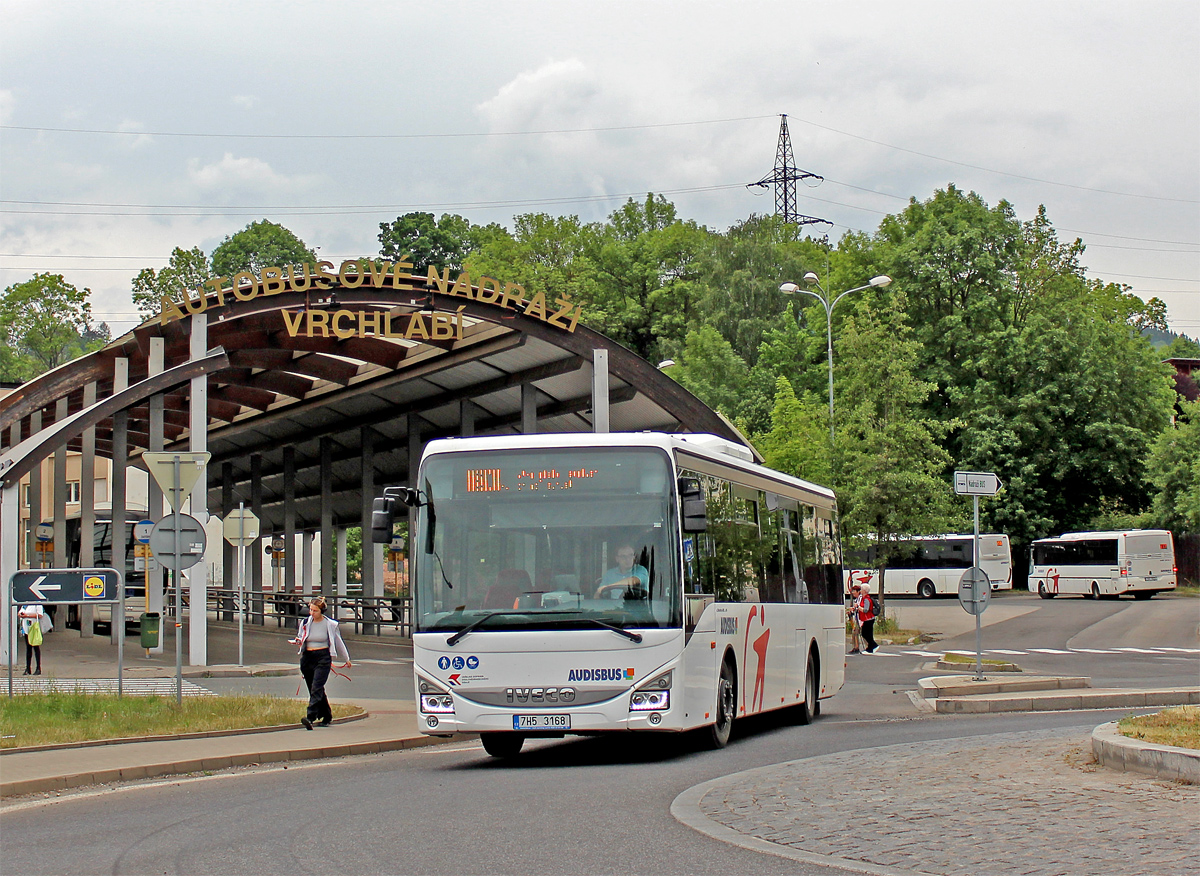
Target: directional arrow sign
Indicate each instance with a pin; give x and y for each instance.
(61, 586)
(41, 590)
(976, 483)
(161, 464)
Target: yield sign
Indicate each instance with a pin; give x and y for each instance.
(161, 464)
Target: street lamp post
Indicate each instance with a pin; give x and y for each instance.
(811, 279)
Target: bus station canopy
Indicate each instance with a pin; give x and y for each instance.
(333, 382)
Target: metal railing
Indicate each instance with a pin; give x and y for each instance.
(364, 615)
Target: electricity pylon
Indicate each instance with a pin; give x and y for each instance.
(784, 178)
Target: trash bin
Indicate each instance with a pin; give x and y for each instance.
(150, 624)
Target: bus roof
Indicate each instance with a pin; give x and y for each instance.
(705, 446)
(1116, 533)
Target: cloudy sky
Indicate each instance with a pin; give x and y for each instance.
(129, 128)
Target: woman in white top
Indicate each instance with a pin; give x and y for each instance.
(33, 616)
(319, 642)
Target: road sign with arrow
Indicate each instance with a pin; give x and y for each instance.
(64, 586)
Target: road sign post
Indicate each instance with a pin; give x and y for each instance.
(177, 474)
(240, 529)
(976, 484)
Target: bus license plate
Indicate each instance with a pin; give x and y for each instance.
(541, 722)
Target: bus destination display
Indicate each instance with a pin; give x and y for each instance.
(523, 480)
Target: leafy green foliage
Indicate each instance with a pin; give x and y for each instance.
(890, 469)
(798, 442)
(45, 322)
(1174, 468)
(259, 245)
(187, 270)
(425, 241)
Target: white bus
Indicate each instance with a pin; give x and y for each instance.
(929, 565)
(580, 583)
(1104, 564)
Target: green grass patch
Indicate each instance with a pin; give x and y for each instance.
(1192, 590)
(967, 658)
(1178, 726)
(60, 717)
(886, 628)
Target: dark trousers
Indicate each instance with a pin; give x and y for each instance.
(30, 652)
(314, 666)
(868, 634)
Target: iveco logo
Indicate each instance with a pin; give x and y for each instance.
(540, 694)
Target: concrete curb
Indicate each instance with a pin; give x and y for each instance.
(208, 764)
(1119, 752)
(1057, 701)
(938, 687)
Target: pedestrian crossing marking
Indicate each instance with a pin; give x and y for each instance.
(1048, 651)
(138, 687)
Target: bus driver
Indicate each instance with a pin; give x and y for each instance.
(625, 574)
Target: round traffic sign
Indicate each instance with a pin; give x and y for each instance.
(44, 532)
(192, 541)
(277, 543)
(974, 590)
(142, 530)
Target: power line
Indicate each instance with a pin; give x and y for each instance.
(340, 210)
(441, 136)
(1049, 182)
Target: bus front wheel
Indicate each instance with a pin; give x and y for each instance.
(925, 589)
(721, 728)
(1043, 592)
(502, 744)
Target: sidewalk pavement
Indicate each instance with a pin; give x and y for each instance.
(390, 725)
(1031, 803)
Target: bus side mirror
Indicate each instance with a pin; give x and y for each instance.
(383, 516)
(695, 511)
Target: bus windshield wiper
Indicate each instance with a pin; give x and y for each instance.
(636, 638)
(474, 625)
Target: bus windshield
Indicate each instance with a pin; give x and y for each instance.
(547, 539)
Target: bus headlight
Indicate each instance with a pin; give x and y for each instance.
(434, 698)
(653, 696)
(441, 704)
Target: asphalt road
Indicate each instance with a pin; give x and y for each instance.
(573, 805)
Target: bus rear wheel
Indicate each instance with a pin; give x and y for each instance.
(722, 727)
(926, 589)
(1095, 591)
(1043, 592)
(502, 744)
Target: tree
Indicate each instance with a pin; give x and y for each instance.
(45, 322)
(798, 442)
(1174, 469)
(186, 270)
(710, 369)
(259, 245)
(444, 242)
(890, 469)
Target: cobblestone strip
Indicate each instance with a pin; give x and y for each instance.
(1033, 804)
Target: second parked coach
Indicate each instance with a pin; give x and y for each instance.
(1140, 562)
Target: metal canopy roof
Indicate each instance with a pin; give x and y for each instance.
(287, 394)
